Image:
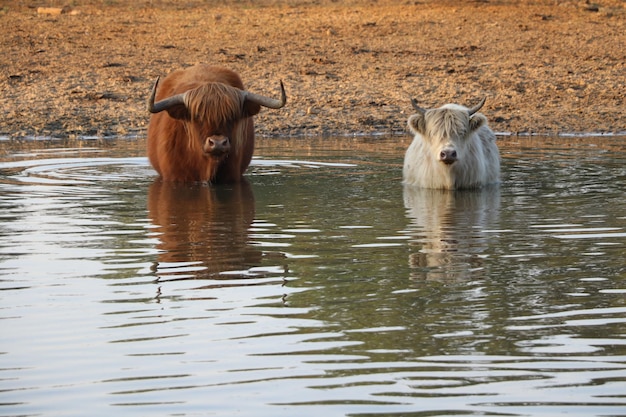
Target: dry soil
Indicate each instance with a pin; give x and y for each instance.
(350, 67)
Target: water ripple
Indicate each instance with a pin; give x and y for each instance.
(313, 287)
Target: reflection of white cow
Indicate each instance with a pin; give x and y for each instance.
(453, 148)
(448, 228)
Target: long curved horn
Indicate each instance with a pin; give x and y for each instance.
(164, 104)
(266, 101)
(476, 107)
(416, 107)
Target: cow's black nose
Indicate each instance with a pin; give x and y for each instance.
(448, 156)
(217, 146)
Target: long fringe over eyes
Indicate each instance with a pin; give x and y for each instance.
(447, 123)
(218, 106)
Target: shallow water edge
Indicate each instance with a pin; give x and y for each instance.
(319, 285)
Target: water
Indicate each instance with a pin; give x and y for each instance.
(320, 286)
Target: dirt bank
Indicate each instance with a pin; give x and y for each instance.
(348, 66)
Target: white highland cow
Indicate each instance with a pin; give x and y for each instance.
(453, 148)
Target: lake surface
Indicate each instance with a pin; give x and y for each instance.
(320, 287)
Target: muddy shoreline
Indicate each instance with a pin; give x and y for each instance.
(349, 67)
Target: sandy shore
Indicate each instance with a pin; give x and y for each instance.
(348, 66)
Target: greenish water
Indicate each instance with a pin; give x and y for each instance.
(321, 285)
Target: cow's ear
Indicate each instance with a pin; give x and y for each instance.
(477, 120)
(178, 112)
(250, 108)
(417, 123)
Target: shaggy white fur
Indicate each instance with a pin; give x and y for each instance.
(451, 130)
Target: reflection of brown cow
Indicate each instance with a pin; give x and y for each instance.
(448, 227)
(202, 128)
(203, 229)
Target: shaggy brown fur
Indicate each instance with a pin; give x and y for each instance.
(213, 107)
